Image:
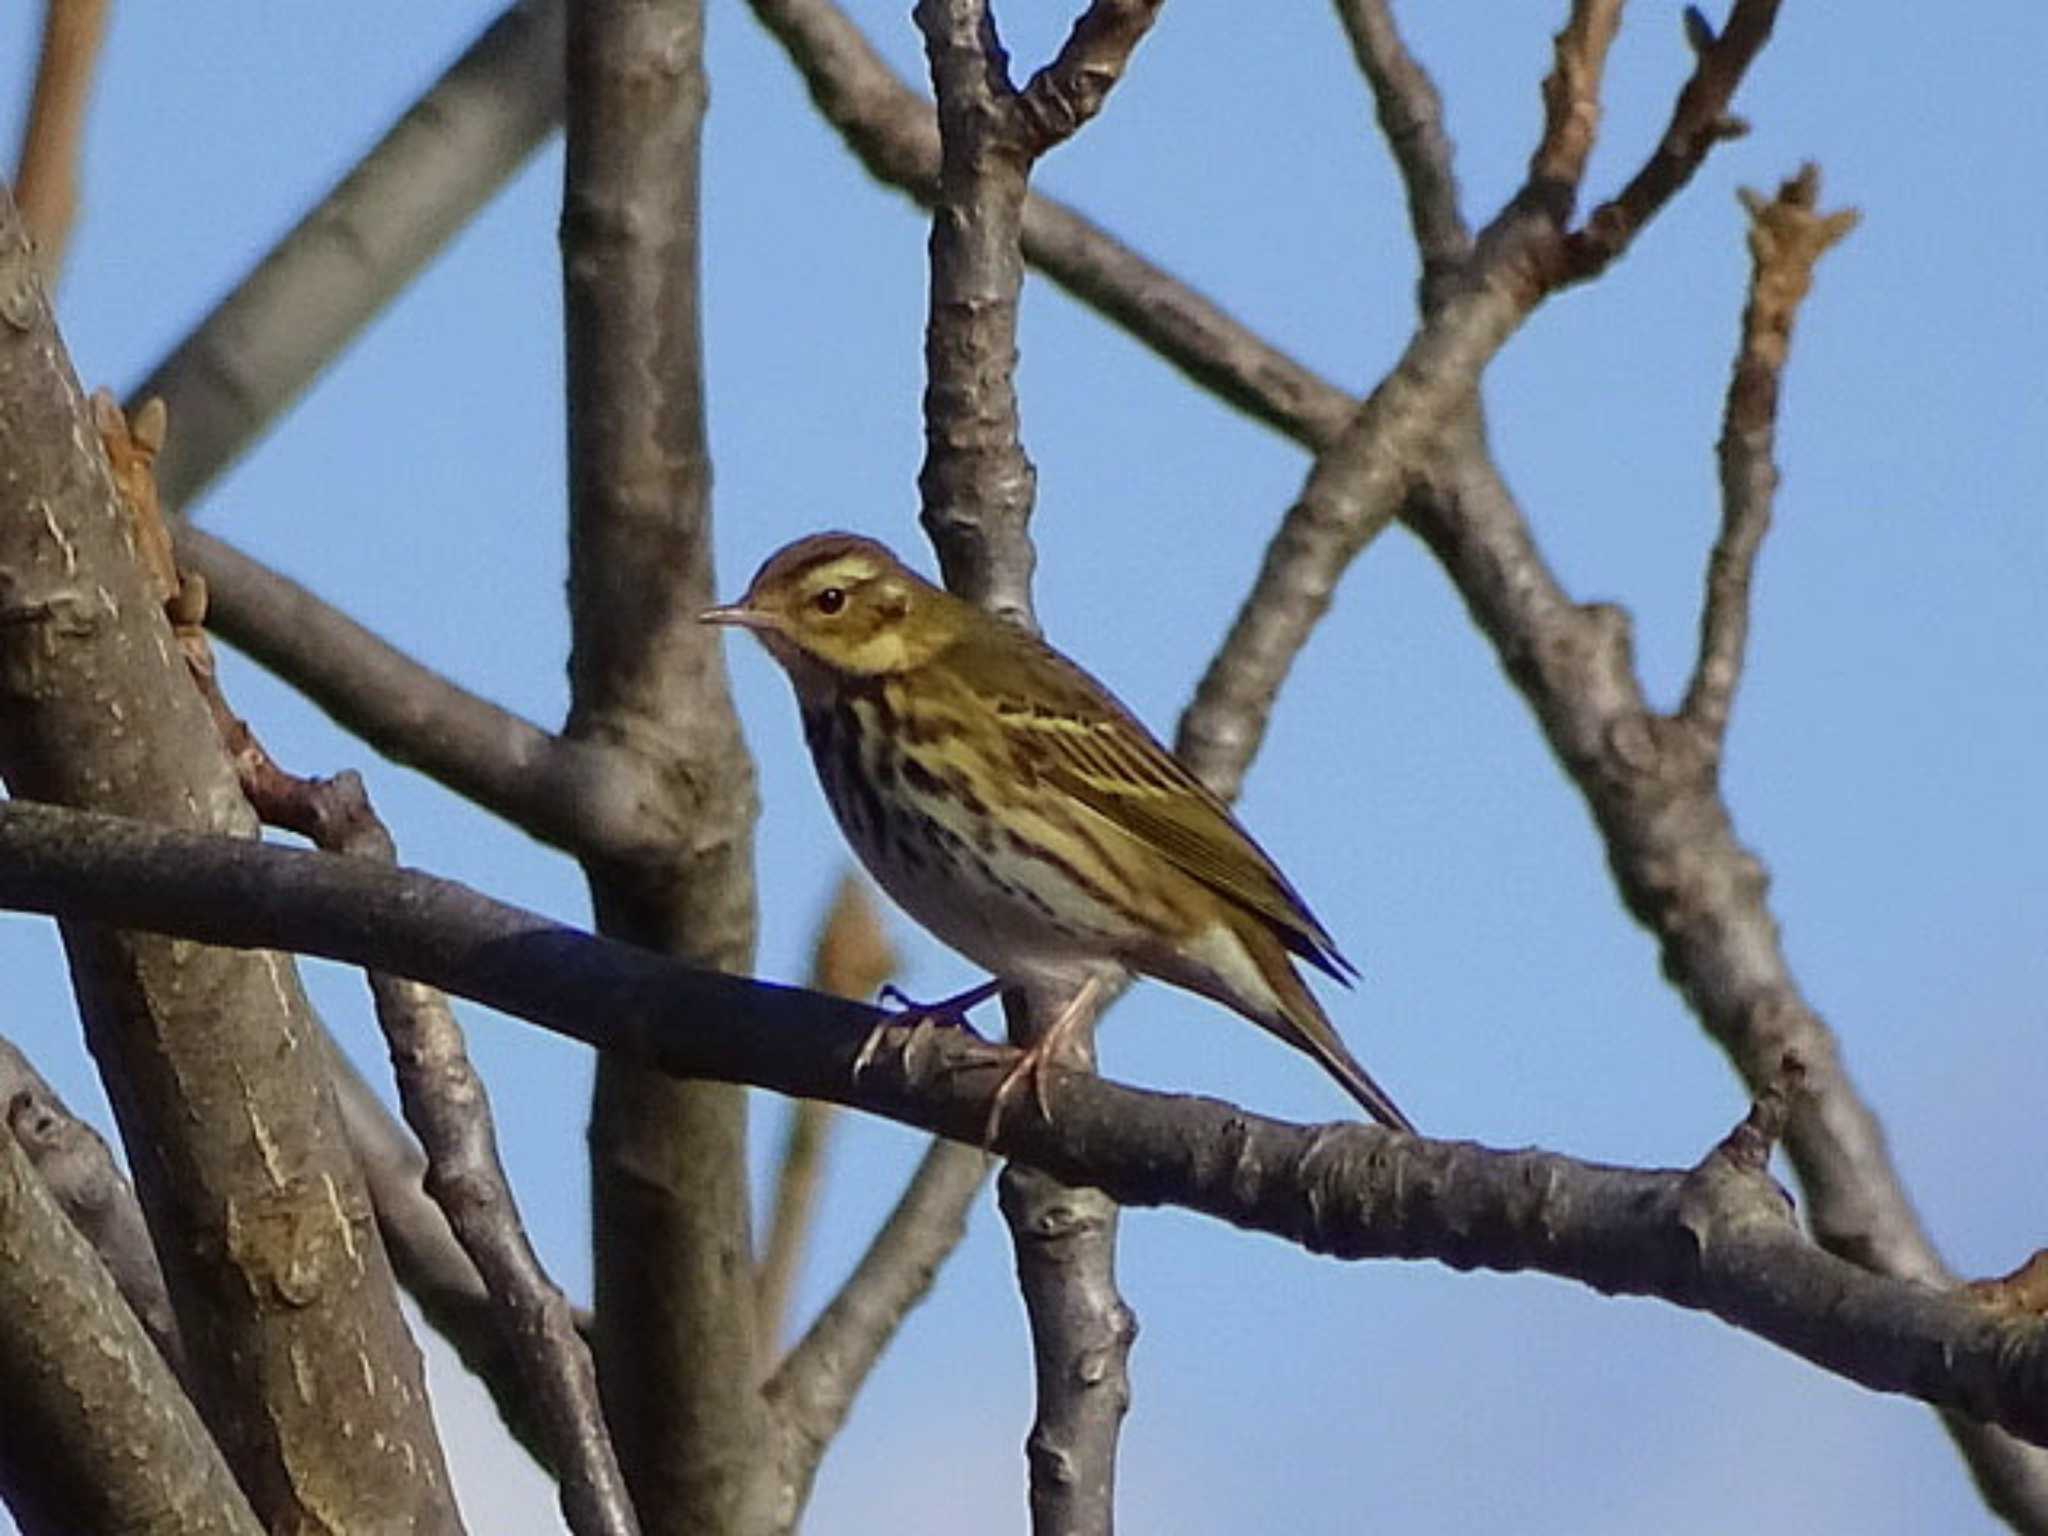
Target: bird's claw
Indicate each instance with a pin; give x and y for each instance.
(921, 1020)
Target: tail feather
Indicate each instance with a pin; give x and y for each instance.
(1306, 1027)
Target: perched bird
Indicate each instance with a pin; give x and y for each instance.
(1012, 806)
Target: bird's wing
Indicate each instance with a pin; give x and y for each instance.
(1072, 732)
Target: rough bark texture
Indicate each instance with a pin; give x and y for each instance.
(212, 1059)
(99, 1436)
(675, 1266)
(1717, 1238)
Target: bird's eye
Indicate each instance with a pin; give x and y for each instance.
(829, 601)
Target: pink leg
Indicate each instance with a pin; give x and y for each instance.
(1030, 1067)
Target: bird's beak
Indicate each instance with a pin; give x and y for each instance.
(738, 615)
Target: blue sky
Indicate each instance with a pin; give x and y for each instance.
(1885, 758)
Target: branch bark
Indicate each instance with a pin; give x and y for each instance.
(284, 1296)
(1717, 1238)
(46, 175)
(977, 488)
(443, 159)
(678, 1355)
(100, 1435)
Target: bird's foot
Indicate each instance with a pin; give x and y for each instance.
(922, 1018)
(1028, 1068)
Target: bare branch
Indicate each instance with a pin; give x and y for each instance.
(813, 1389)
(46, 175)
(677, 1354)
(1699, 1240)
(577, 795)
(100, 1435)
(362, 243)
(976, 484)
(1786, 237)
(1571, 107)
(893, 131)
(1081, 1335)
(1411, 116)
(77, 1167)
(852, 959)
(1057, 100)
(284, 1298)
(1699, 121)
(446, 1105)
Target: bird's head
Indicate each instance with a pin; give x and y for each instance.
(835, 605)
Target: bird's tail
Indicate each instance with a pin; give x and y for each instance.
(1306, 1027)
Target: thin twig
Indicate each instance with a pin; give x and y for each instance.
(1411, 115)
(1063, 95)
(46, 175)
(813, 1389)
(578, 796)
(851, 959)
(1786, 237)
(1348, 1190)
(446, 1105)
(1699, 121)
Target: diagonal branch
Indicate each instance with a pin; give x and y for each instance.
(1699, 121)
(443, 159)
(1714, 1239)
(78, 1168)
(447, 1107)
(577, 795)
(813, 1389)
(1411, 116)
(1061, 97)
(851, 959)
(1786, 237)
(100, 1435)
(46, 175)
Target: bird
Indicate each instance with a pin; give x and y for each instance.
(1013, 807)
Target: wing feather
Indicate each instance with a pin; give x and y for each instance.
(1075, 735)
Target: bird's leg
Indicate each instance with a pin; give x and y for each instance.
(1030, 1066)
(949, 1013)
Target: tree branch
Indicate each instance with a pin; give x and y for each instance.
(1062, 96)
(100, 1435)
(1411, 116)
(813, 1389)
(976, 485)
(284, 1297)
(446, 1105)
(46, 175)
(1699, 1240)
(1786, 237)
(579, 796)
(677, 1353)
(894, 132)
(443, 159)
(77, 1167)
